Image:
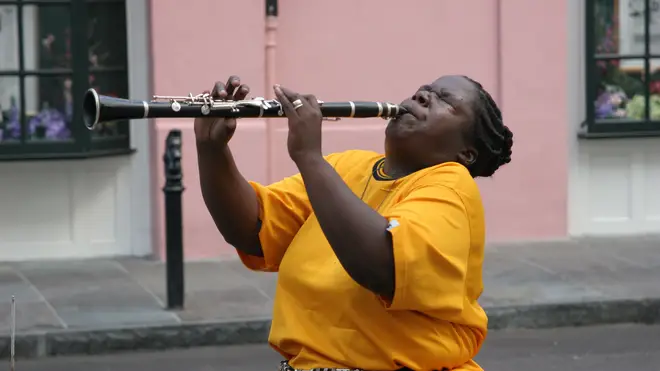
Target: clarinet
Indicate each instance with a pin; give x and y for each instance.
(101, 108)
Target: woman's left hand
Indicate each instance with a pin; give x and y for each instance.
(304, 141)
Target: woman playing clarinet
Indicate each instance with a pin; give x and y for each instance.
(379, 256)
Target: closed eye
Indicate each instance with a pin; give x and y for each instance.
(442, 95)
(446, 97)
(456, 103)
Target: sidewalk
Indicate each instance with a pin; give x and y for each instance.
(101, 306)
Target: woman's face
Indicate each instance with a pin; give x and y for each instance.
(438, 125)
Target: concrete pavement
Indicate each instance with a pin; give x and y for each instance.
(101, 306)
(607, 348)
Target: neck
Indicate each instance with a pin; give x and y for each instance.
(396, 169)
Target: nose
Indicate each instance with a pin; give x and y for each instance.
(422, 97)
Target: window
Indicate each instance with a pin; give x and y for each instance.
(623, 68)
(51, 52)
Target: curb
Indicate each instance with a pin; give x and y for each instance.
(186, 335)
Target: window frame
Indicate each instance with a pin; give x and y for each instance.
(613, 128)
(82, 143)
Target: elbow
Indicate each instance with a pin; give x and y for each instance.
(383, 291)
(247, 245)
(383, 287)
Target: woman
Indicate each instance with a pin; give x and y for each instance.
(379, 257)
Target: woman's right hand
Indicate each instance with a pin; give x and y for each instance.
(215, 132)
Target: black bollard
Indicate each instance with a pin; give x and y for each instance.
(271, 8)
(173, 190)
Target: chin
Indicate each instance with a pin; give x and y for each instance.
(391, 129)
(401, 127)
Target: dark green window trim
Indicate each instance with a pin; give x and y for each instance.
(82, 143)
(596, 125)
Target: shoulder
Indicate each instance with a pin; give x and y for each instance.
(452, 177)
(453, 185)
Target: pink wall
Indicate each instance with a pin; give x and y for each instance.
(528, 197)
(192, 47)
(341, 50)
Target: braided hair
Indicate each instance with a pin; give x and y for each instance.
(492, 139)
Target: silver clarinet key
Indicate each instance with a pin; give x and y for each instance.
(176, 106)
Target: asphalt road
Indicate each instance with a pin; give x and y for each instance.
(607, 348)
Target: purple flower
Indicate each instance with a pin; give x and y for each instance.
(53, 122)
(12, 130)
(49, 123)
(610, 104)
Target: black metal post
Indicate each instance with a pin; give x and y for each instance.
(173, 190)
(271, 8)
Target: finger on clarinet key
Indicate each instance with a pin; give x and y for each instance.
(241, 92)
(219, 91)
(311, 100)
(287, 106)
(232, 83)
(291, 95)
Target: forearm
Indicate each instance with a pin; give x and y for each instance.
(230, 199)
(355, 231)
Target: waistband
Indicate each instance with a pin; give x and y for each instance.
(284, 366)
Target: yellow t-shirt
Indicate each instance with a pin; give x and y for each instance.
(322, 318)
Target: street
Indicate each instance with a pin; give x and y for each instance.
(602, 348)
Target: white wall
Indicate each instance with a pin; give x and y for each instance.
(86, 208)
(614, 183)
(140, 87)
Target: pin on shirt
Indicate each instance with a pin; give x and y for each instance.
(392, 224)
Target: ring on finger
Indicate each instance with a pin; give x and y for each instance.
(297, 104)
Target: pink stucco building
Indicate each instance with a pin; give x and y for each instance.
(530, 55)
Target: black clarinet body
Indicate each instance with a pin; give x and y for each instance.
(100, 108)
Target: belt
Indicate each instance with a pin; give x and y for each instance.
(284, 366)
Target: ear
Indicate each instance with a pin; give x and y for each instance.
(468, 156)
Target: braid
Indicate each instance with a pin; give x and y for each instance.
(493, 140)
